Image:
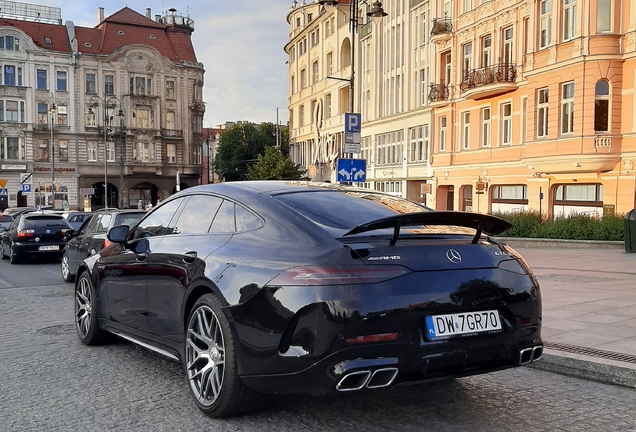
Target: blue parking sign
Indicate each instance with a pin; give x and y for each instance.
(352, 123)
(26, 187)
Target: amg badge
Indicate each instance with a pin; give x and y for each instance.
(384, 258)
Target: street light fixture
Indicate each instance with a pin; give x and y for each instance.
(105, 106)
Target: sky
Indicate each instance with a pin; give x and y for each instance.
(240, 43)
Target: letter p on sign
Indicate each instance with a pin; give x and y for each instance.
(352, 123)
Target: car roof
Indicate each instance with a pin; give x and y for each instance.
(271, 187)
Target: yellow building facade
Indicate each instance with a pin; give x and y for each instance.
(521, 105)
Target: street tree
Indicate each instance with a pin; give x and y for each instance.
(239, 148)
(273, 165)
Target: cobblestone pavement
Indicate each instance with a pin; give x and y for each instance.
(50, 381)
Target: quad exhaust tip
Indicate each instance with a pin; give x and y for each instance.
(377, 379)
(528, 355)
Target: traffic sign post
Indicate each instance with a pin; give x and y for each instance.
(351, 170)
(4, 192)
(25, 182)
(26, 187)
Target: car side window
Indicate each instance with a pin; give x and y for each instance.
(245, 220)
(103, 223)
(197, 214)
(157, 222)
(224, 219)
(90, 227)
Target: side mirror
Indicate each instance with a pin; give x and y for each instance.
(69, 234)
(118, 234)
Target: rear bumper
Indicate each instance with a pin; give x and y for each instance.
(294, 339)
(33, 248)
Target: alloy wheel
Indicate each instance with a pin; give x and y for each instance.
(205, 355)
(83, 307)
(66, 270)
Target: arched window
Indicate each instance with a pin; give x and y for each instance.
(345, 54)
(601, 106)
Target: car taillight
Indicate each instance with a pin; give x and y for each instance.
(26, 233)
(383, 337)
(313, 275)
(107, 243)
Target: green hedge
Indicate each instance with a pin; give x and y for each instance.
(531, 224)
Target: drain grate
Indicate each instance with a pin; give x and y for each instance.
(591, 352)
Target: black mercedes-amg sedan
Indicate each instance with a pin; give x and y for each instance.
(283, 287)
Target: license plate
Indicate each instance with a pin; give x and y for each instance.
(49, 248)
(467, 323)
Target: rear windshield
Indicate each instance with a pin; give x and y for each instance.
(129, 219)
(345, 210)
(5, 218)
(44, 221)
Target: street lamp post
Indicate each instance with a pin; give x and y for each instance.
(52, 110)
(105, 106)
(122, 157)
(376, 14)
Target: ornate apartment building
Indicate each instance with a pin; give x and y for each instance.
(529, 104)
(119, 105)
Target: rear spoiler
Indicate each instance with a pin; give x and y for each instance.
(491, 225)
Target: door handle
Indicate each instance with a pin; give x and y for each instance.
(190, 256)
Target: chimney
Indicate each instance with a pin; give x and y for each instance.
(148, 14)
(158, 18)
(100, 15)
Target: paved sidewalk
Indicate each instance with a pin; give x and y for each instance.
(589, 311)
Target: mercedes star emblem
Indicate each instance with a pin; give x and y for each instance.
(453, 256)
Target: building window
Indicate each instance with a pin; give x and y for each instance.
(508, 47)
(545, 22)
(485, 127)
(61, 81)
(62, 115)
(43, 150)
(91, 151)
(423, 87)
(90, 118)
(303, 79)
(90, 83)
(198, 154)
(486, 51)
(109, 84)
(171, 150)
(506, 124)
(542, 113)
(43, 113)
(143, 151)
(448, 72)
(466, 130)
(110, 151)
(569, 19)
(41, 81)
(468, 55)
(329, 63)
(603, 16)
(567, 108)
(9, 43)
(12, 75)
(328, 105)
(62, 150)
(419, 144)
(11, 148)
(144, 118)
(141, 86)
(601, 106)
(170, 120)
(170, 86)
(301, 116)
(442, 134)
(468, 5)
(11, 111)
(510, 194)
(314, 72)
(590, 193)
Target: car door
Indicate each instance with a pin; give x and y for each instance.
(179, 258)
(72, 247)
(125, 274)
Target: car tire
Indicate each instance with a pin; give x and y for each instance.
(86, 312)
(14, 258)
(66, 269)
(218, 391)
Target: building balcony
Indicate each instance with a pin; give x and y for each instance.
(439, 94)
(172, 133)
(489, 81)
(442, 30)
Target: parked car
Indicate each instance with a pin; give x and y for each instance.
(34, 234)
(5, 221)
(91, 237)
(76, 219)
(294, 287)
(14, 211)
